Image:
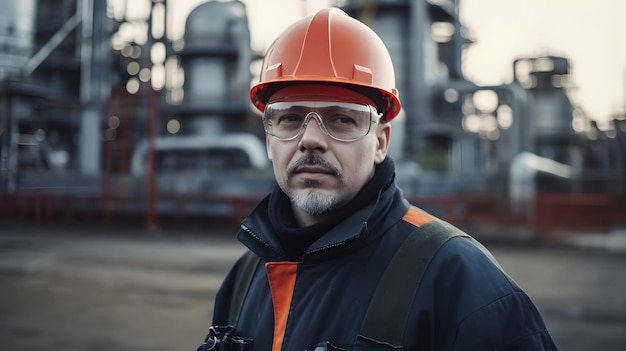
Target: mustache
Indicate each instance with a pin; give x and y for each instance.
(312, 160)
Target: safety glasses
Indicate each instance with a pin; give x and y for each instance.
(341, 121)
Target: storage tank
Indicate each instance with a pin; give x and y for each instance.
(216, 57)
(216, 61)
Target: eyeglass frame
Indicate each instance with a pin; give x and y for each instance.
(313, 114)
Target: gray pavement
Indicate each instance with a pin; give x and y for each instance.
(91, 289)
(94, 288)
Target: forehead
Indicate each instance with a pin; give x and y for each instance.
(324, 108)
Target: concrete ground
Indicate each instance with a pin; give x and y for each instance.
(92, 288)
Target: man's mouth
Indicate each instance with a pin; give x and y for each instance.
(313, 175)
(314, 169)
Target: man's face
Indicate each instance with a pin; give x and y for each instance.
(319, 173)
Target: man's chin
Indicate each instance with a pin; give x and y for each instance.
(314, 201)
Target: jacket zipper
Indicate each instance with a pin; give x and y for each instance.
(247, 230)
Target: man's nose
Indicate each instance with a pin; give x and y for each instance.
(313, 137)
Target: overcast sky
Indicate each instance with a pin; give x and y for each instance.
(591, 33)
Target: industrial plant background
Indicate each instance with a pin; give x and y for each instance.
(103, 118)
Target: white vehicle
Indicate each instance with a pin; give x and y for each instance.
(217, 164)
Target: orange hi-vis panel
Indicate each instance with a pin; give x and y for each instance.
(282, 279)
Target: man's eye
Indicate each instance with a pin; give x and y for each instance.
(342, 119)
(289, 119)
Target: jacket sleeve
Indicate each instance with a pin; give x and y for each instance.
(479, 307)
(511, 323)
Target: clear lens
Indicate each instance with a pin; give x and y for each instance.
(341, 121)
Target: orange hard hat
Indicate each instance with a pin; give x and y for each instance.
(329, 47)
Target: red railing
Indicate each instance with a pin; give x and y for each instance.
(553, 213)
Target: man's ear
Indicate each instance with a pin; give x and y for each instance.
(383, 135)
(268, 147)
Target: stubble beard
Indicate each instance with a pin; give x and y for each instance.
(311, 199)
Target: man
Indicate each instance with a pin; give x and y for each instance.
(327, 234)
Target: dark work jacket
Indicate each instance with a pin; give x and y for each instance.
(465, 301)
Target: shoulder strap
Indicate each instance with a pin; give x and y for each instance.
(221, 334)
(247, 268)
(389, 308)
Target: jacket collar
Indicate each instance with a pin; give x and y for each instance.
(358, 228)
